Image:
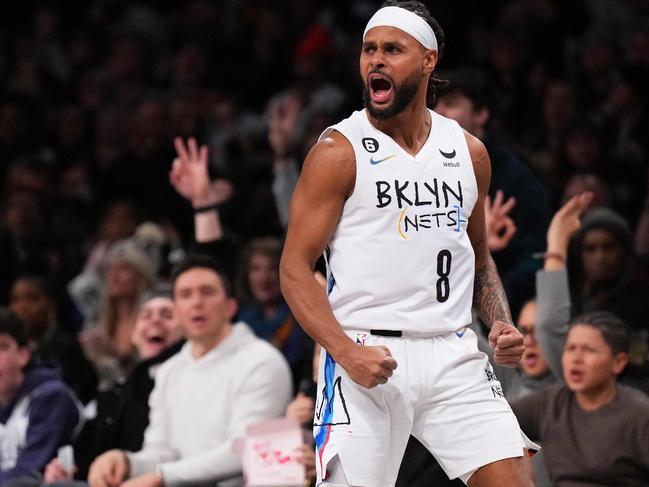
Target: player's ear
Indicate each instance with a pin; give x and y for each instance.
(430, 60)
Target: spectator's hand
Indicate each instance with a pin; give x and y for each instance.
(507, 343)
(500, 227)
(566, 222)
(306, 456)
(369, 366)
(146, 480)
(284, 113)
(190, 177)
(54, 472)
(301, 408)
(109, 469)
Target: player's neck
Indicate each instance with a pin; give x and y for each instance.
(410, 128)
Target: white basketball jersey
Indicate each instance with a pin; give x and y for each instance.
(400, 258)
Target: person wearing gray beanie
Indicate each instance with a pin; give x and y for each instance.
(601, 269)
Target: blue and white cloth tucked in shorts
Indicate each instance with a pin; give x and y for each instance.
(444, 392)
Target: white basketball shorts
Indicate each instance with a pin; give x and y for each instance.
(444, 392)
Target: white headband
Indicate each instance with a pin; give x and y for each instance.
(404, 20)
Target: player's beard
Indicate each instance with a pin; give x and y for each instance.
(403, 95)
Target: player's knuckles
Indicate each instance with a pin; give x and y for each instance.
(389, 363)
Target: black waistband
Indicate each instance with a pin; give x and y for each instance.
(386, 333)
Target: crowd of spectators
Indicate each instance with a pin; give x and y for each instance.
(103, 192)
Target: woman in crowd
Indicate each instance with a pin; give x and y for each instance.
(130, 272)
(262, 305)
(33, 299)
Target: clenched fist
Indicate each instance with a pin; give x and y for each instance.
(369, 366)
(507, 342)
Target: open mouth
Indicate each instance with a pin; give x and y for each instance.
(380, 88)
(575, 375)
(155, 339)
(530, 357)
(198, 320)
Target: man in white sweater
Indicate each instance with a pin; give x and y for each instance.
(223, 379)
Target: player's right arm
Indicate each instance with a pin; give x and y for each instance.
(326, 181)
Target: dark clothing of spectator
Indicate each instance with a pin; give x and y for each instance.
(283, 331)
(531, 215)
(420, 469)
(51, 413)
(122, 415)
(224, 250)
(58, 347)
(608, 446)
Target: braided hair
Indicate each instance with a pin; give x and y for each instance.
(420, 9)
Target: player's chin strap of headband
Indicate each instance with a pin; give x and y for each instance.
(404, 20)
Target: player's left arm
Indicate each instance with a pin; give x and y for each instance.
(489, 297)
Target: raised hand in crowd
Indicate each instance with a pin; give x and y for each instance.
(189, 175)
(500, 227)
(563, 226)
(284, 113)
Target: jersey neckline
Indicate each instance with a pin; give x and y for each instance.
(419, 157)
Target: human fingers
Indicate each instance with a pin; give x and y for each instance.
(507, 206)
(387, 373)
(202, 154)
(292, 109)
(509, 351)
(303, 406)
(582, 201)
(307, 402)
(181, 149)
(380, 380)
(175, 171)
(508, 340)
(98, 478)
(193, 149)
(386, 350)
(498, 200)
(510, 230)
(389, 363)
(569, 207)
(507, 362)
(498, 329)
(119, 470)
(54, 472)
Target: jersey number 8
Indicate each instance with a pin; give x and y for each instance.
(443, 285)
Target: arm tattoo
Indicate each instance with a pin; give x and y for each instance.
(488, 294)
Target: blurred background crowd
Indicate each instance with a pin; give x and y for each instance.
(92, 95)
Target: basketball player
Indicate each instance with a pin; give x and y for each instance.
(394, 197)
